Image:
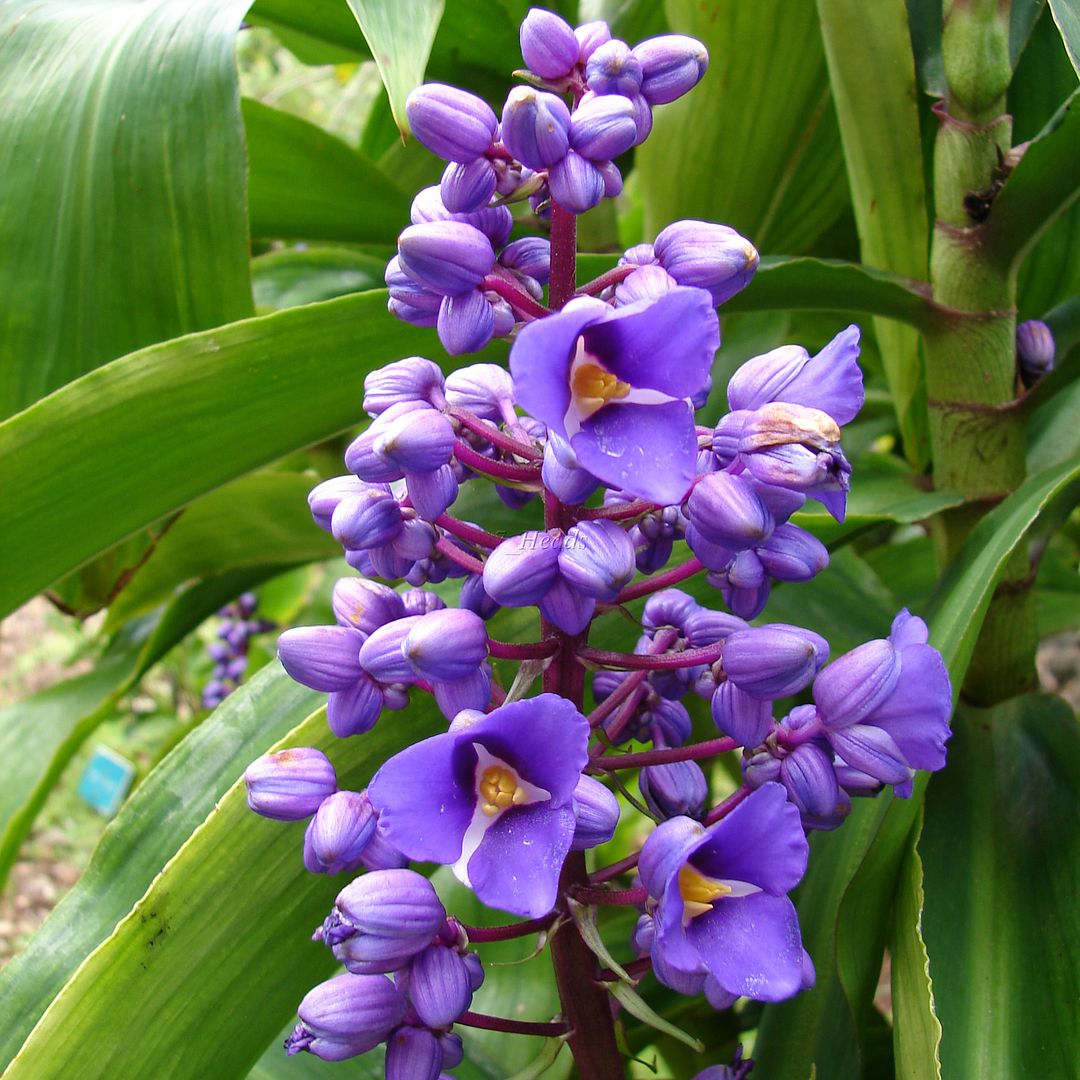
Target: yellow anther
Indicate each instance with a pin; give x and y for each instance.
(592, 387)
(499, 789)
(698, 891)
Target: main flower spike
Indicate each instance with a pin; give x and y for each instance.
(594, 425)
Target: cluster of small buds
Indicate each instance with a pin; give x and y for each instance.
(230, 651)
(596, 417)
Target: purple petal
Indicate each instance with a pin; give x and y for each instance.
(752, 945)
(354, 710)
(871, 750)
(516, 867)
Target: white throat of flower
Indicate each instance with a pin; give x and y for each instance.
(592, 386)
(498, 788)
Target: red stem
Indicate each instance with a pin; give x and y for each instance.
(618, 897)
(616, 869)
(721, 810)
(478, 935)
(515, 1027)
(455, 554)
(620, 512)
(500, 470)
(526, 650)
(623, 691)
(707, 654)
(563, 280)
(666, 755)
(493, 435)
(464, 531)
(517, 298)
(660, 581)
(609, 277)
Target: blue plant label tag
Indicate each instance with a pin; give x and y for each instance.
(106, 780)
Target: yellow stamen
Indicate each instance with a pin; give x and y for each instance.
(698, 891)
(593, 386)
(499, 789)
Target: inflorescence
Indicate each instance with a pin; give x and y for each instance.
(596, 418)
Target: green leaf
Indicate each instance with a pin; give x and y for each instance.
(214, 958)
(1000, 848)
(289, 278)
(916, 1028)
(257, 520)
(323, 31)
(635, 1005)
(305, 184)
(584, 916)
(873, 83)
(150, 827)
(121, 211)
(400, 34)
(1067, 16)
(963, 594)
(741, 144)
(95, 461)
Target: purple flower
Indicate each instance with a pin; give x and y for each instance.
(613, 69)
(548, 44)
(494, 798)
(337, 835)
(671, 65)
(1035, 349)
(535, 127)
(721, 903)
(616, 384)
(452, 123)
(291, 784)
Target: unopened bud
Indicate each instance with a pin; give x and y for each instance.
(451, 123)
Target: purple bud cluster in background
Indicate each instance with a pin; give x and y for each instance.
(230, 651)
(596, 421)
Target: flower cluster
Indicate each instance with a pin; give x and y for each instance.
(230, 651)
(596, 419)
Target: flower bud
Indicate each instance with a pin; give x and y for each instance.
(669, 607)
(644, 935)
(675, 789)
(418, 442)
(810, 779)
(466, 323)
(707, 627)
(432, 493)
(474, 597)
(356, 709)
(576, 183)
(760, 768)
(440, 986)
(597, 558)
(381, 656)
(421, 602)
(346, 1016)
(613, 69)
(671, 65)
(453, 1049)
(729, 512)
(398, 904)
(465, 188)
(411, 379)
(707, 256)
(570, 610)
(495, 222)
(769, 662)
(666, 722)
(530, 256)
(603, 127)
(857, 684)
(522, 569)
(1035, 350)
(360, 455)
(747, 720)
(289, 785)
(338, 833)
(646, 283)
(548, 45)
(792, 554)
(367, 520)
(535, 127)
(473, 692)
(380, 854)
(486, 390)
(413, 1053)
(590, 36)
(321, 657)
(570, 484)
(596, 814)
(872, 750)
(416, 539)
(453, 124)
(448, 257)
(446, 645)
(324, 498)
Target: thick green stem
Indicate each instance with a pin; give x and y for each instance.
(977, 432)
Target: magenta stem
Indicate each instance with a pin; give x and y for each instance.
(665, 756)
(616, 869)
(707, 654)
(610, 277)
(618, 513)
(620, 897)
(477, 935)
(517, 298)
(624, 690)
(455, 554)
(500, 470)
(660, 581)
(526, 650)
(515, 1027)
(496, 437)
(721, 810)
(471, 533)
(563, 280)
